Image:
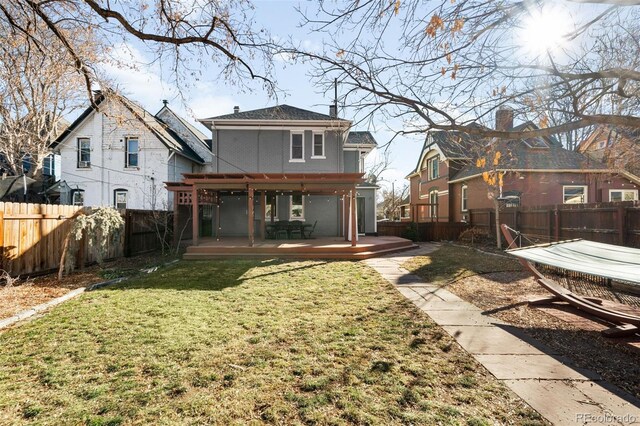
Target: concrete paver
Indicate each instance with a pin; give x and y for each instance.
(559, 392)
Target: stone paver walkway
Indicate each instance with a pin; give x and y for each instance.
(545, 380)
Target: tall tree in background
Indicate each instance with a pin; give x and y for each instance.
(443, 64)
(37, 86)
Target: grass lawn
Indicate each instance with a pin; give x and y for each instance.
(453, 263)
(237, 342)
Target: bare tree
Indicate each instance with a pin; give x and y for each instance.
(192, 39)
(446, 64)
(37, 87)
(390, 202)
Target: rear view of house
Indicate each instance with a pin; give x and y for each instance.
(281, 164)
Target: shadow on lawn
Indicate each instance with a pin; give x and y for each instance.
(214, 275)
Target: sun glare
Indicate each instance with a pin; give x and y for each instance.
(545, 30)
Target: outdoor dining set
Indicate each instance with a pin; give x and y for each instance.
(285, 229)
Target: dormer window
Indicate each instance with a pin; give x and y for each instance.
(296, 151)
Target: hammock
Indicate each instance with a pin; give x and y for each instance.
(588, 257)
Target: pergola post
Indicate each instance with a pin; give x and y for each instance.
(195, 217)
(176, 223)
(263, 215)
(217, 215)
(345, 215)
(250, 215)
(354, 231)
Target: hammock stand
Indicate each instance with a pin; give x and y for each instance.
(625, 324)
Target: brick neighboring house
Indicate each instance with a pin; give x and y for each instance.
(446, 182)
(619, 148)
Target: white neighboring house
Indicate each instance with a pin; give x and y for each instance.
(120, 155)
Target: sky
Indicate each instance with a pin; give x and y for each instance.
(149, 85)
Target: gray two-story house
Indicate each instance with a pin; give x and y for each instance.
(281, 164)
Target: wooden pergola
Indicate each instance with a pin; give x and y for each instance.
(198, 188)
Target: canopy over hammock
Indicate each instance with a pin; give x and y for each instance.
(605, 260)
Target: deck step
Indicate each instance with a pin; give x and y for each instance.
(341, 255)
(315, 250)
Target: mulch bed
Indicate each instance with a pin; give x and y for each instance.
(28, 292)
(560, 327)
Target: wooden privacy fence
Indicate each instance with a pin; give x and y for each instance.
(612, 223)
(425, 231)
(32, 235)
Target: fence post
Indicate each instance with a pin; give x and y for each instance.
(557, 222)
(621, 224)
(127, 233)
(1, 239)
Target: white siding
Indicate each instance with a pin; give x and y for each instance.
(107, 131)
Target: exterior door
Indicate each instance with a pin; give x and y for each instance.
(360, 215)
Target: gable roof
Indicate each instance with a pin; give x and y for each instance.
(452, 145)
(361, 138)
(193, 129)
(277, 113)
(158, 127)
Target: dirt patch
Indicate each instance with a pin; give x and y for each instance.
(28, 292)
(560, 328)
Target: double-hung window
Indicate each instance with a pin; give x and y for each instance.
(318, 145)
(464, 207)
(132, 146)
(433, 204)
(84, 153)
(120, 198)
(77, 197)
(434, 167)
(574, 194)
(296, 212)
(297, 147)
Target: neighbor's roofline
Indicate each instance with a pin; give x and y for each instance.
(628, 175)
(212, 122)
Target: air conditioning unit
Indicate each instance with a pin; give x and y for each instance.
(84, 164)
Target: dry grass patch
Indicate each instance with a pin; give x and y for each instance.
(236, 342)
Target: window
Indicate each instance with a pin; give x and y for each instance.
(131, 154)
(48, 166)
(84, 153)
(623, 194)
(297, 146)
(574, 194)
(77, 197)
(433, 204)
(296, 212)
(363, 155)
(433, 166)
(120, 198)
(318, 145)
(404, 212)
(272, 206)
(464, 207)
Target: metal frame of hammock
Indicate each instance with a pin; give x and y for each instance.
(625, 324)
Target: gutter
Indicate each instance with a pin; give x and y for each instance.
(550, 171)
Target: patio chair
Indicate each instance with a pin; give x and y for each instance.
(272, 231)
(282, 229)
(313, 228)
(295, 228)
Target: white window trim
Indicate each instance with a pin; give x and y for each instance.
(433, 209)
(78, 150)
(464, 196)
(73, 197)
(313, 146)
(291, 208)
(635, 191)
(126, 152)
(430, 160)
(291, 159)
(586, 193)
(115, 197)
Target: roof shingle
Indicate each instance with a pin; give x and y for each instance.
(278, 112)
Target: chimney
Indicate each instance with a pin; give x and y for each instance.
(333, 111)
(236, 109)
(504, 119)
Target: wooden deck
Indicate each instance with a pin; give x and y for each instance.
(316, 248)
